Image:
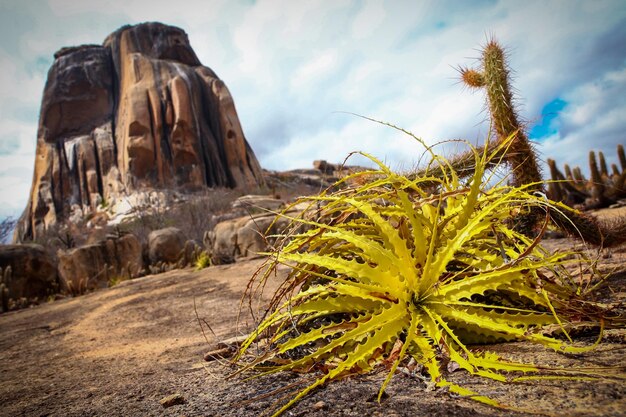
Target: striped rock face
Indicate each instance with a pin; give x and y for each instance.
(139, 112)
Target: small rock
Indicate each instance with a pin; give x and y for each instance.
(453, 366)
(171, 400)
(319, 405)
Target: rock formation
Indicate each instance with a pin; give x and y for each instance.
(138, 112)
(243, 237)
(165, 245)
(34, 272)
(92, 266)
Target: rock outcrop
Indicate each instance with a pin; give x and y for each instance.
(166, 245)
(258, 202)
(138, 112)
(92, 266)
(243, 237)
(34, 271)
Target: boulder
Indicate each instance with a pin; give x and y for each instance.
(324, 167)
(258, 202)
(92, 266)
(253, 235)
(166, 245)
(34, 271)
(222, 241)
(138, 112)
(243, 237)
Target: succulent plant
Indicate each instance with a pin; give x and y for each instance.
(390, 271)
(493, 77)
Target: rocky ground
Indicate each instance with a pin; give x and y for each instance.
(120, 351)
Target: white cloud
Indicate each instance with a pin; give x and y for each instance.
(592, 120)
(368, 20)
(15, 182)
(318, 67)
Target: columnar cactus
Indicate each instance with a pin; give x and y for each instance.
(573, 188)
(493, 76)
(601, 190)
(568, 172)
(615, 170)
(578, 175)
(621, 156)
(554, 190)
(604, 172)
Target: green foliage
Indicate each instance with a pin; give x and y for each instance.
(104, 204)
(116, 279)
(203, 261)
(394, 267)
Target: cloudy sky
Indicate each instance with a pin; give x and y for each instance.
(297, 68)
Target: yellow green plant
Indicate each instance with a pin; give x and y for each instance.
(393, 267)
(115, 280)
(203, 261)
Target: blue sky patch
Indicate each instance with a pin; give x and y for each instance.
(8, 145)
(548, 125)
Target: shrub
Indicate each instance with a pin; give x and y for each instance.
(116, 279)
(203, 261)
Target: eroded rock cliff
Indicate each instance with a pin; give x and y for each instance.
(138, 112)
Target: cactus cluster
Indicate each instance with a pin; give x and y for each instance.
(5, 279)
(602, 189)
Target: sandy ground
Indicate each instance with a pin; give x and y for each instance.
(118, 352)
